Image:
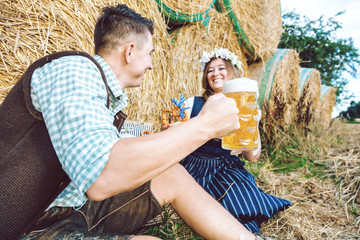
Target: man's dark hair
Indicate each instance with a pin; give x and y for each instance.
(116, 23)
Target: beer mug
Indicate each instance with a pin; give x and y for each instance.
(245, 93)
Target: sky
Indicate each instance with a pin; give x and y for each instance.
(350, 29)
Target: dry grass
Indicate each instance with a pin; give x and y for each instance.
(326, 206)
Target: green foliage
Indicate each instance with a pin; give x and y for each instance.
(319, 48)
(297, 149)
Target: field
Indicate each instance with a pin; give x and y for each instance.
(317, 169)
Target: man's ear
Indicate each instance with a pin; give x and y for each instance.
(129, 51)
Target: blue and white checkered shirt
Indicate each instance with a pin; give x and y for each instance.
(71, 95)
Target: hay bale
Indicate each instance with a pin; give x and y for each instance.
(257, 23)
(327, 103)
(309, 95)
(187, 46)
(31, 29)
(278, 80)
(183, 11)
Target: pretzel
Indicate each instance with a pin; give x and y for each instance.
(145, 132)
(174, 114)
(165, 118)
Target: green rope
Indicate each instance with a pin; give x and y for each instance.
(243, 40)
(218, 6)
(175, 16)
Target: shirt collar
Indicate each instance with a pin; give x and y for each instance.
(112, 82)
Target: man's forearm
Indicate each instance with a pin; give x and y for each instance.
(134, 161)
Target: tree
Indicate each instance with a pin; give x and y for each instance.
(319, 48)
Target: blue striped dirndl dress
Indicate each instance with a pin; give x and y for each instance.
(224, 177)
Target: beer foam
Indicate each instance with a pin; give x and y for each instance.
(239, 85)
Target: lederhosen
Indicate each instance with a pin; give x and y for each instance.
(31, 176)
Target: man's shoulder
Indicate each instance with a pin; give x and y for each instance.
(77, 59)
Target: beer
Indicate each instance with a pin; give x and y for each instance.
(245, 93)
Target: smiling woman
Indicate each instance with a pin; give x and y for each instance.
(219, 171)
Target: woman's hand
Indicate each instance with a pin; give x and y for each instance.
(253, 155)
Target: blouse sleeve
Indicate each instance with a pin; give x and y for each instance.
(189, 103)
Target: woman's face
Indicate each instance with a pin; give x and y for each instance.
(217, 74)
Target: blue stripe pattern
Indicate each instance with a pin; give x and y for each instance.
(135, 128)
(224, 177)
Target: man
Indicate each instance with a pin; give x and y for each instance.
(118, 184)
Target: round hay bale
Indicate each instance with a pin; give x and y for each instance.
(278, 80)
(31, 29)
(257, 23)
(187, 46)
(327, 103)
(183, 11)
(309, 95)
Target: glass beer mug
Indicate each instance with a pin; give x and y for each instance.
(245, 93)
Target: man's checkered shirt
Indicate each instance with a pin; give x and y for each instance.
(72, 96)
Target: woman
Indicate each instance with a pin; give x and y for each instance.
(218, 171)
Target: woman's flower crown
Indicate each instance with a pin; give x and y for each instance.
(222, 53)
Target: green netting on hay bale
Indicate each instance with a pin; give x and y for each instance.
(243, 40)
(327, 103)
(278, 81)
(324, 91)
(309, 95)
(185, 11)
(258, 25)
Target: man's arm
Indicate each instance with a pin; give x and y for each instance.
(134, 161)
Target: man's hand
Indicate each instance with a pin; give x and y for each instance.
(220, 116)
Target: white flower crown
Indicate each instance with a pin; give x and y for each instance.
(222, 53)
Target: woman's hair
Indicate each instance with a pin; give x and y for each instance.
(117, 24)
(233, 72)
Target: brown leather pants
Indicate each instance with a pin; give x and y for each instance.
(115, 218)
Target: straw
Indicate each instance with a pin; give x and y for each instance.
(257, 23)
(309, 95)
(278, 80)
(327, 103)
(32, 29)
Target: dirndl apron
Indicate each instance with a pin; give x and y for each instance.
(224, 177)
